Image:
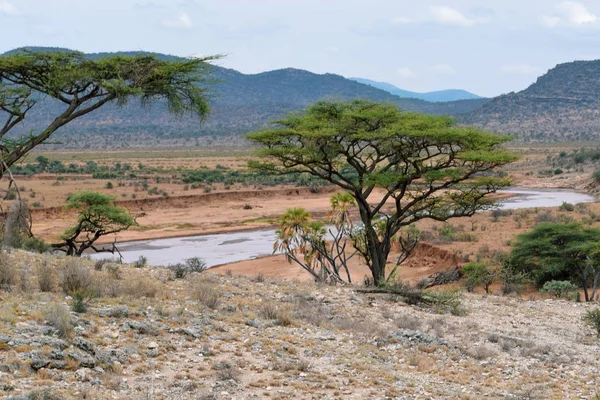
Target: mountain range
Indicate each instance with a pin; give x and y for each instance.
(437, 96)
(563, 104)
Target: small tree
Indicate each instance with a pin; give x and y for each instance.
(478, 274)
(305, 241)
(399, 167)
(98, 216)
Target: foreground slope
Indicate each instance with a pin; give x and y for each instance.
(563, 104)
(222, 336)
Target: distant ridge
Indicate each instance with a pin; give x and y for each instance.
(437, 96)
(240, 103)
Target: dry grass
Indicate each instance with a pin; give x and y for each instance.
(58, 316)
(75, 277)
(8, 273)
(206, 294)
(46, 277)
(140, 287)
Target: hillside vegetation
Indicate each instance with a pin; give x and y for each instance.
(561, 105)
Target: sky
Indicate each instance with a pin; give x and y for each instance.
(486, 47)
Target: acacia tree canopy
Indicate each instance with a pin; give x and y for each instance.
(553, 251)
(84, 85)
(98, 216)
(399, 167)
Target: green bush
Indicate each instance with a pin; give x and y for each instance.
(141, 262)
(513, 282)
(566, 207)
(477, 274)
(559, 289)
(592, 318)
(80, 301)
(596, 176)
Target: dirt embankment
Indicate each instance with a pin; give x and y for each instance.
(190, 201)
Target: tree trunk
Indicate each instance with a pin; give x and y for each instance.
(377, 251)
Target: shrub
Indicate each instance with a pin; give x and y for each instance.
(58, 316)
(99, 264)
(8, 273)
(592, 318)
(596, 176)
(181, 270)
(558, 171)
(45, 275)
(114, 270)
(144, 287)
(269, 311)
(566, 207)
(545, 217)
(80, 301)
(75, 278)
(195, 264)
(206, 294)
(559, 289)
(477, 274)
(141, 262)
(513, 282)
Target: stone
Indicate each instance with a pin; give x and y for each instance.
(52, 342)
(254, 323)
(38, 364)
(57, 355)
(58, 364)
(84, 345)
(84, 360)
(139, 327)
(82, 375)
(152, 353)
(196, 333)
(152, 346)
(115, 312)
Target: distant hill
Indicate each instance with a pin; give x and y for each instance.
(437, 96)
(563, 104)
(240, 103)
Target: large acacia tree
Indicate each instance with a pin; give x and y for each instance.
(83, 85)
(553, 251)
(399, 167)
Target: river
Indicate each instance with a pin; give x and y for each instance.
(225, 248)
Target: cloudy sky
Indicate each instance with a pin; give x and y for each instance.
(421, 46)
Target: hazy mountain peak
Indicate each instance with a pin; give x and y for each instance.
(437, 96)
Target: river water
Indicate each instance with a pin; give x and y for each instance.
(225, 248)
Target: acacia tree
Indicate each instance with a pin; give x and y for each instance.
(98, 216)
(559, 252)
(399, 167)
(84, 85)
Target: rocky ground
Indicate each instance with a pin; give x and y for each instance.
(146, 335)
